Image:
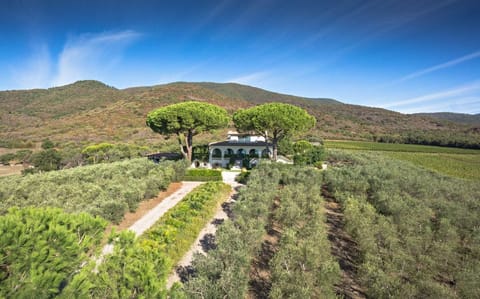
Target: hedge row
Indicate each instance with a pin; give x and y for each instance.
(203, 175)
(41, 248)
(107, 190)
(180, 226)
(417, 230)
(138, 268)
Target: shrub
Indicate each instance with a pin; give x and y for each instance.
(411, 226)
(90, 188)
(309, 155)
(47, 144)
(203, 175)
(242, 178)
(46, 160)
(40, 250)
(6, 158)
(140, 267)
(113, 210)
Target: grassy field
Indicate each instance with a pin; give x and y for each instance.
(395, 147)
(461, 163)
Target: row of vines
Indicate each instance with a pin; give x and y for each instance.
(106, 190)
(418, 231)
(301, 267)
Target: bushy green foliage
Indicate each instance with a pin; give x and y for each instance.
(224, 272)
(46, 160)
(242, 178)
(47, 144)
(40, 249)
(108, 152)
(203, 175)
(107, 190)
(186, 120)
(138, 268)
(302, 267)
(274, 121)
(6, 158)
(309, 155)
(285, 147)
(23, 155)
(417, 230)
(180, 226)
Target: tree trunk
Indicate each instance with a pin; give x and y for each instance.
(274, 142)
(182, 148)
(188, 143)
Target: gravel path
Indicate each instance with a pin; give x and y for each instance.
(154, 214)
(149, 219)
(208, 230)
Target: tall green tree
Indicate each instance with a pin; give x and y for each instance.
(274, 121)
(186, 120)
(47, 160)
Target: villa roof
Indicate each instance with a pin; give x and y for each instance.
(235, 143)
(235, 133)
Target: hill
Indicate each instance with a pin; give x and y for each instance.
(257, 95)
(462, 118)
(90, 111)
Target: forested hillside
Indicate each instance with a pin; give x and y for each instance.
(462, 118)
(90, 111)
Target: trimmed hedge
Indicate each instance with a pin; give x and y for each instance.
(203, 175)
(180, 226)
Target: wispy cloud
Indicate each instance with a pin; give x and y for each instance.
(452, 106)
(440, 66)
(88, 56)
(252, 78)
(91, 55)
(450, 93)
(35, 72)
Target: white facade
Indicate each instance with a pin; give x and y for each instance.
(237, 148)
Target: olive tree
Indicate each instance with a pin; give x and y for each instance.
(186, 120)
(274, 121)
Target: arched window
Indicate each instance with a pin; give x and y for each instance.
(253, 153)
(241, 152)
(228, 153)
(265, 153)
(217, 153)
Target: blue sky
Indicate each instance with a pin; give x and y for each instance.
(407, 56)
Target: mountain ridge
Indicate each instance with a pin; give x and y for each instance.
(91, 111)
(463, 118)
